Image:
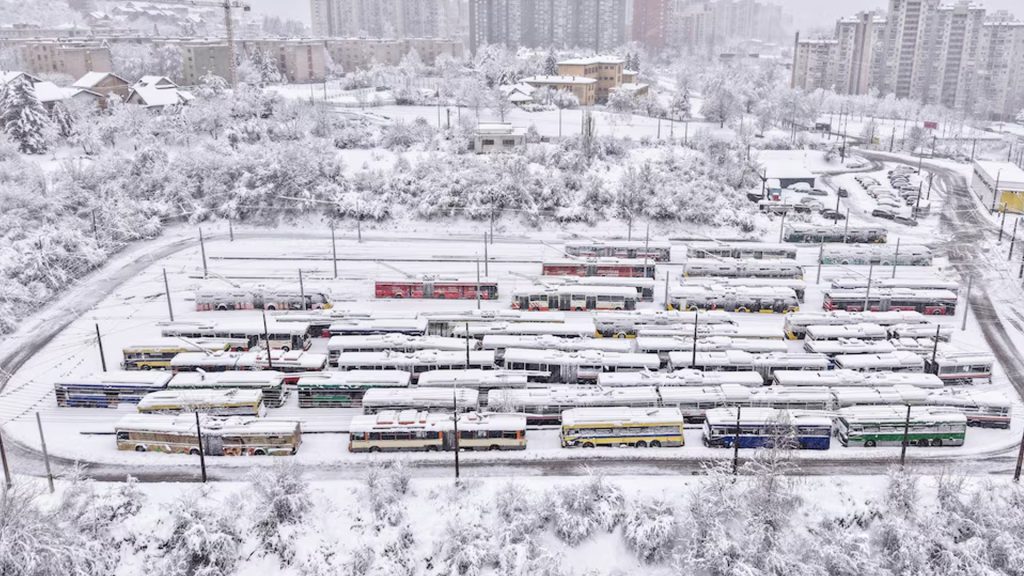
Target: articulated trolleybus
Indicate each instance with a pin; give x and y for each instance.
(576, 298)
(766, 427)
(929, 302)
(413, 430)
(756, 250)
(262, 297)
(229, 402)
(639, 427)
(810, 233)
(634, 249)
(742, 268)
(774, 299)
(108, 389)
(234, 436)
(614, 267)
(429, 287)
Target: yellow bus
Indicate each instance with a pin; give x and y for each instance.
(234, 436)
(413, 430)
(620, 426)
(216, 402)
(156, 355)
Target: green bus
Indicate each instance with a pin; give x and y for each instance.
(871, 426)
(346, 389)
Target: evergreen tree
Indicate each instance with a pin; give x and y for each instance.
(551, 64)
(62, 119)
(23, 117)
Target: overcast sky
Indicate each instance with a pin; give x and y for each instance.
(806, 13)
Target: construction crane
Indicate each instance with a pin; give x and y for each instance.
(229, 24)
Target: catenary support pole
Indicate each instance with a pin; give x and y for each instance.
(46, 455)
(867, 291)
(3, 460)
(167, 291)
(906, 438)
(1013, 238)
(99, 342)
(231, 230)
(967, 305)
(782, 226)
(202, 250)
(668, 303)
(202, 452)
(821, 255)
(1002, 222)
(334, 251)
(736, 444)
(896, 258)
(696, 321)
(266, 339)
(846, 226)
(302, 291)
(487, 259)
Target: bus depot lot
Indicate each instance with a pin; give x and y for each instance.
(133, 311)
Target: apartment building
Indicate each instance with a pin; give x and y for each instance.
(858, 52)
(606, 70)
(815, 63)
(650, 23)
(585, 89)
(387, 18)
(59, 57)
(202, 57)
(707, 26)
(354, 53)
(592, 24)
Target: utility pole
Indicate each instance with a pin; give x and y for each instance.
(455, 409)
(967, 306)
(1016, 472)
(99, 341)
(821, 254)
(867, 292)
(1013, 238)
(935, 343)
(231, 230)
(167, 291)
(487, 267)
(202, 249)
(896, 257)
(334, 251)
(1002, 222)
(477, 291)
(667, 302)
(202, 453)
(696, 320)
(892, 139)
(995, 191)
(7, 469)
(736, 444)
(302, 291)
(846, 226)
(906, 438)
(46, 455)
(266, 338)
(782, 226)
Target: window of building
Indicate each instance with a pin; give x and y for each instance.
(488, 142)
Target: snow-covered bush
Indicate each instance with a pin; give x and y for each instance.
(387, 483)
(203, 539)
(465, 547)
(650, 529)
(281, 500)
(579, 510)
(395, 558)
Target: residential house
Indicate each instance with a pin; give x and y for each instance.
(158, 92)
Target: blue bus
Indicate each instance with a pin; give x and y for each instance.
(767, 427)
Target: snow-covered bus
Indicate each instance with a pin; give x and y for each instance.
(157, 353)
(985, 409)
(755, 250)
(443, 323)
(844, 377)
(625, 324)
(766, 427)
(849, 346)
(871, 426)
(644, 286)
(742, 268)
(482, 381)
(286, 297)
(878, 254)
(860, 283)
(569, 367)
(639, 427)
(270, 383)
(715, 361)
(796, 323)
(633, 249)
(577, 328)
(861, 331)
(545, 405)
(286, 336)
(776, 299)
(929, 302)
(961, 367)
(684, 377)
(898, 395)
(943, 333)
(662, 345)
(615, 267)
(346, 389)
(430, 287)
(420, 398)
(232, 436)
(575, 298)
(418, 362)
(108, 389)
(416, 430)
(415, 326)
(892, 362)
(797, 285)
(501, 343)
(812, 233)
(395, 343)
(216, 402)
(767, 364)
(280, 360)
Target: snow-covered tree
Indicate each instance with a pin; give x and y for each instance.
(387, 484)
(499, 103)
(23, 117)
(203, 539)
(579, 510)
(62, 120)
(679, 105)
(720, 103)
(283, 499)
(622, 101)
(650, 529)
(550, 64)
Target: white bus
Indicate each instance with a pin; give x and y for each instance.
(945, 333)
(842, 377)
(989, 409)
(419, 398)
(776, 299)
(879, 254)
(232, 436)
(577, 328)
(686, 377)
(871, 426)
(639, 427)
(288, 297)
(289, 336)
(546, 405)
(813, 233)
(662, 345)
(796, 323)
(899, 394)
(723, 360)
(742, 268)
(625, 324)
(929, 302)
(749, 331)
(863, 331)
(481, 380)
(755, 250)
(418, 362)
(345, 389)
(270, 383)
(859, 283)
(108, 389)
(442, 323)
(501, 343)
(280, 360)
(575, 298)
(217, 402)
(767, 364)
(356, 327)
(693, 402)
(892, 362)
(413, 430)
(798, 286)
(557, 366)
(395, 343)
(849, 346)
(961, 367)
(782, 398)
(633, 249)
(921, 346)
(644, 286)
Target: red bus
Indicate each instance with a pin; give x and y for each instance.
(611, 267)
(436, 289)
(929, 302)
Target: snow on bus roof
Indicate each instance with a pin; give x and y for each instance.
(496, 315)
(764, 415)
(582, 357)
(491, 421)
(730, 261)
(454, 357)
(619, 243)
(890, 293)
(472, 377)
(860, 328)
(899, 393)
(540, 289)
(559, 394)
(212, 425)
(544, 341)
(723, 393)
(391, 419)
(417, 323)
(228, 378)
(657, 317)
(578, 416)
(838, 377)
(964, 358)
(898, 414)
(396, 339)
(850, 346)
(124, 378)
(435, 279)
(753, 246)
(721, 289)
(339, 314)
(253, 326)
(209, 344)
(899, 357)
(398, 378)
(578, 327)
(599, 260)
(636, 281)
(889, 378)
(712, 356)
(200, 396)
(434, 396)
(968, 397)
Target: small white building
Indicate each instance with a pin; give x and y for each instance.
(157, 92)
(497, 137)
(998, 184)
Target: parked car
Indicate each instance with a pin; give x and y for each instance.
(905, 220)
(883, 213)
(817, 192)
(800, 187)
(832, 214)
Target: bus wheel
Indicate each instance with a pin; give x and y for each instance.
(377, 448)
(869, 444)
(430, 448)
(146, 367)
(222, 307)
(588, 444)
(494, 447)
(285, 349)
(259, 452)
(937, 442)
(193, 451)
(397, 295)
(140, 448)
(641, 444)
(271, 307)
(655, 443)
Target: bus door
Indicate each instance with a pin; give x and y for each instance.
(591, 303)
(213, 444)
(564, 302)
(590, 270)
(447, 440)
(630, 304)
(428, 291)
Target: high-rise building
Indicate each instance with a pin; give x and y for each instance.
(709, 26)
(386, 18)
(598, 25)
(1000, 74)
(859, 39)
(650, 18)
(814, 63)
